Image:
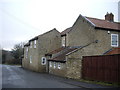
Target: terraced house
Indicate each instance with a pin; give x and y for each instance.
(35, 50)
(88, 36)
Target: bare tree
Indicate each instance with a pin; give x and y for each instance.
(17, 53)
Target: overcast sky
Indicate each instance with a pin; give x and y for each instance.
(21, 20)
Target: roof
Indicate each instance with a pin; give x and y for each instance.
(65, 31)
(56, 51)
(35, 38)
(105, 24)
(27, 44)
(61, 56)
(113, 51)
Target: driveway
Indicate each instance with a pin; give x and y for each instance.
(17, 77)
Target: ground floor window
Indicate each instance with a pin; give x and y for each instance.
(54, 65)
(30, 59)
(50, 64)
(59, 66)
(43, 61)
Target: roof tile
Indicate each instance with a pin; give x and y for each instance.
(105, 24)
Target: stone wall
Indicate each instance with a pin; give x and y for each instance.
(47, 43)
(33, 56)
(73, 68)
(54, 69)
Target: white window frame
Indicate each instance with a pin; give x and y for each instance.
(43, 59)
(50, 64)
(63, 41)
(26, 52)
(59, 66)
(35, 43)
(112, 40)
(54, 65)
(31, 44)
(30, 59)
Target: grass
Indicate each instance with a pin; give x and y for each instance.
(101, 83)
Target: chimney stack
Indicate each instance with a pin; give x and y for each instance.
(109, 17)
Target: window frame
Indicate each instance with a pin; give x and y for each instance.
(35, 42)
(50, 64)
(31, 44)
(64, 41)
(26, 52)
(44, 61)
(54, 65)
(59, 66)
(30, 59)
(112, 40)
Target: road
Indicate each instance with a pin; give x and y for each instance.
(17, 77)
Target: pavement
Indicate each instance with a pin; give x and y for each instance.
(18, 77)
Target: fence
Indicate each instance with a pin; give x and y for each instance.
(101, 68)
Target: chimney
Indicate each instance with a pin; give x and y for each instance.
(109, 17)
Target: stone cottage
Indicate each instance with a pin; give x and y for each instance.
(88, 36)
(35, 50)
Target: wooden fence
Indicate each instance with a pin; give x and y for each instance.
(101, 68)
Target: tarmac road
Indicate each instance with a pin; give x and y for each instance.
(17, 77)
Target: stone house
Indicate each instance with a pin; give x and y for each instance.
(87, 37)
(35, 50)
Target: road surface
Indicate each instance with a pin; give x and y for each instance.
(17, 77)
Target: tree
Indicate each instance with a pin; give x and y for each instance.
(17, 53)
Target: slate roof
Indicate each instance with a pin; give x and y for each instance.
(57, 50)
(105, 24)
(114, 51)
(27, 44)
(61, 57)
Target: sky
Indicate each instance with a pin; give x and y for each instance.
(21, 20)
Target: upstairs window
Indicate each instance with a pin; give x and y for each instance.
(26, 52)
(43, 61)
(35, 44)
(63, 41)
(30, 44)
(114, 40)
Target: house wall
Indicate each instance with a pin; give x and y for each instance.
(46, 43)
(74, 61)
(33, 55)
(96, 42)
(104, 41)
(81, 33)
(84, 33)
(25, 61)
(55, 70)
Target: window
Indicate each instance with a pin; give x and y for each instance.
(30, 59)
(35, 44)
(63, 41)
(50, 64)
(114, 40)
(30, 44)
(59, 67)
(54, 65)
(43, 62)
(26, 52)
